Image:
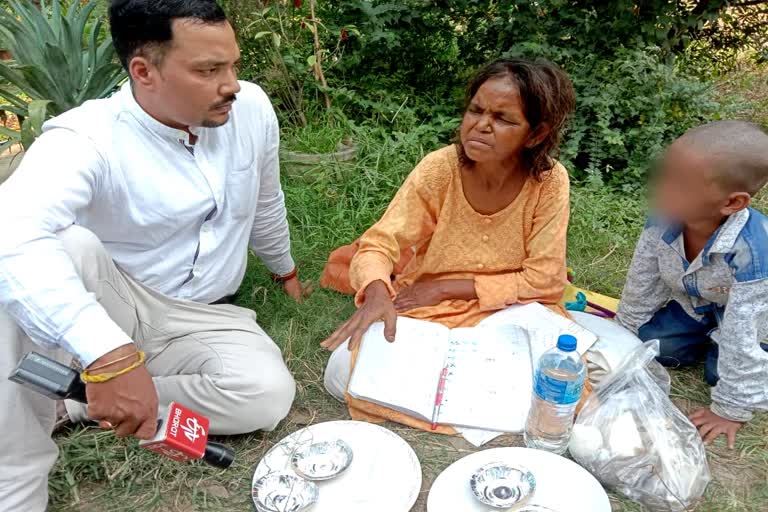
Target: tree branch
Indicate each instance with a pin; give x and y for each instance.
(319, 56)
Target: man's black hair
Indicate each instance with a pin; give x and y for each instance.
(144, 26)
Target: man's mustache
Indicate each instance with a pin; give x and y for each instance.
(229, 100)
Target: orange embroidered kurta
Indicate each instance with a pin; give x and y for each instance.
(515, 256)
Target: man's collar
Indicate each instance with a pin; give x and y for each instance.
(152, 124)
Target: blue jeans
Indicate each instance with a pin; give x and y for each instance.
(684, 341)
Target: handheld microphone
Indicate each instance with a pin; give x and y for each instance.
(182, 434)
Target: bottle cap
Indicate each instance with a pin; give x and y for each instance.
(566, 343)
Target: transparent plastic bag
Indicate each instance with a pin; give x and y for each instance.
(634, 440)
(660, 376)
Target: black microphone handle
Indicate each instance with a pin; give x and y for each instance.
(77, 391)
(219, 455)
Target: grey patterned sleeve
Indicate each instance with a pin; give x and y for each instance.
(644, 292)
(742, 362)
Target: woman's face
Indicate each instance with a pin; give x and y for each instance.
(494, 127)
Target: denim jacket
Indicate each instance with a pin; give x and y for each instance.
(730, 279)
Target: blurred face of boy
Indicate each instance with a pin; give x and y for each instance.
(195, 81)
(687, 192)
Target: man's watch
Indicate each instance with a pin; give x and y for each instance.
(287, 277)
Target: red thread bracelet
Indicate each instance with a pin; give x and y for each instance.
(287, 277)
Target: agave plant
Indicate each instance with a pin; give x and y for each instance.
(59, 61)
(31, 122)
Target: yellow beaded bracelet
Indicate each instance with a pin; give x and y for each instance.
(106, 377)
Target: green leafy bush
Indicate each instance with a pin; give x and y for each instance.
(406, 64)
(60, 60)
(629, 108)
(289, 49)
(431, 48)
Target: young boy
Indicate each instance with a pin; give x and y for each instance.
(699, 278)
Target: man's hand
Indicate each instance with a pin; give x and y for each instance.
(378, 306)
(127, 403)
(711, 425)
(297, 290)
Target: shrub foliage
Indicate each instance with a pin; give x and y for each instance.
(392, 62)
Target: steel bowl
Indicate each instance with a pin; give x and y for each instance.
(322, 461)
(502, 486)
(284, 492)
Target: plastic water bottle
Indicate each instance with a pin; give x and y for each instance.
(557, 385)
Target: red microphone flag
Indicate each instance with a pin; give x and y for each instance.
(182, 434)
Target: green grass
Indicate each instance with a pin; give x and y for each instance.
(313, 139)
(96, 472)
(747, 91)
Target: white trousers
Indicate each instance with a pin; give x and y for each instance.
(215, 360)
(337, 372)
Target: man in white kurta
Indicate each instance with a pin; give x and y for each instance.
(127, 228)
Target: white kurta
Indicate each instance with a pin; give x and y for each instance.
(178, 221)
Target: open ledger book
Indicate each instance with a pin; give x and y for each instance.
(489, 367)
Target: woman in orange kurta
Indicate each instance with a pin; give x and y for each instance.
(487, 218)
(516, 255)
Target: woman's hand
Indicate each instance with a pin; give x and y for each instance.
(431, 293)
(419, 295)
(378, 306)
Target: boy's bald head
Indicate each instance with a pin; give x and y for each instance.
(738, 151)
